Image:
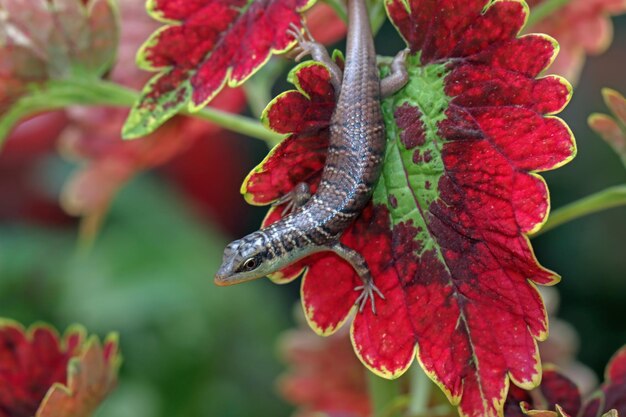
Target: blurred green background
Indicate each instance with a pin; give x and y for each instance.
(193, 349)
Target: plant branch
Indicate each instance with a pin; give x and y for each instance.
(603, 200)
(96, 92)
(543, 10)
(382, 394)
(421, 387)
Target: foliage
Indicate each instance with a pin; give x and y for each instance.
(446, 235)
(46, 375)
(454, 246)
(208, 44)
(47, 42)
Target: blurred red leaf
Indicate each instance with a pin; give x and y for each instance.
(324, 376)
(208, 44)
(94, 138)
(42, 40)
(109, 162)
(325, 25)
(612, 393)
(44, 375)
(559, 396)
(445, 238)
(582, 27)
(22, 193)
(612, 128)
(555, 389)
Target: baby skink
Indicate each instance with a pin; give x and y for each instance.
(353, 166)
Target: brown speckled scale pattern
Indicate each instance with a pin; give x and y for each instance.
(355, 154)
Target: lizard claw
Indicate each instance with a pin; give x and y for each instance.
(368, 290)
(305, 42)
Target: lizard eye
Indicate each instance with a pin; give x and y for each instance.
(250, 264)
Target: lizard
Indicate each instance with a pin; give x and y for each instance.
(353, 166)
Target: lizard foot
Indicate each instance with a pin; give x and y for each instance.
(368, 289)
(295, 198)
(306, 44)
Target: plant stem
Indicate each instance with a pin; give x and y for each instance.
(543, 10)
(96, 92)
(606, 199)
(125, 97)
(421, 387)
(382, 393)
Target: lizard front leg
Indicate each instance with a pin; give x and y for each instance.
(308, 46)
(368, 289)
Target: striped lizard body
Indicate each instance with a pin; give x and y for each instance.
(353, 166)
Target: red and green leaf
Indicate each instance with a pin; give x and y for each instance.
(446, 234)
(44, 375)
(206, 45)
(90, 379)
(612, 128)
(50, 41)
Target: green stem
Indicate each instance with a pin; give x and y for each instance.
(96, 92)
(259, 88)
(543, 10)
(125, 97)
(378, 16)
(421, 387)
(606, 199)
(382, 393)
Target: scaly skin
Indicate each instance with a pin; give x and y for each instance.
(353, 166)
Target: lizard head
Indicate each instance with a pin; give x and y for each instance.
(244, 260)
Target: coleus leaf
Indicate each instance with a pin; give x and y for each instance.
(581, 27)
(44, 375)
(612, 128)
(446, 234)
(50, 40)
(206, 45)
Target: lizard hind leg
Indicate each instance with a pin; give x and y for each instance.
(295, 198)
(398, 77)
(308, 46)
(368, 289)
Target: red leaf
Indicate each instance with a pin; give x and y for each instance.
(446, 235)
(36, 365)
(90, 379)
(582, 27)
(209, 44)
